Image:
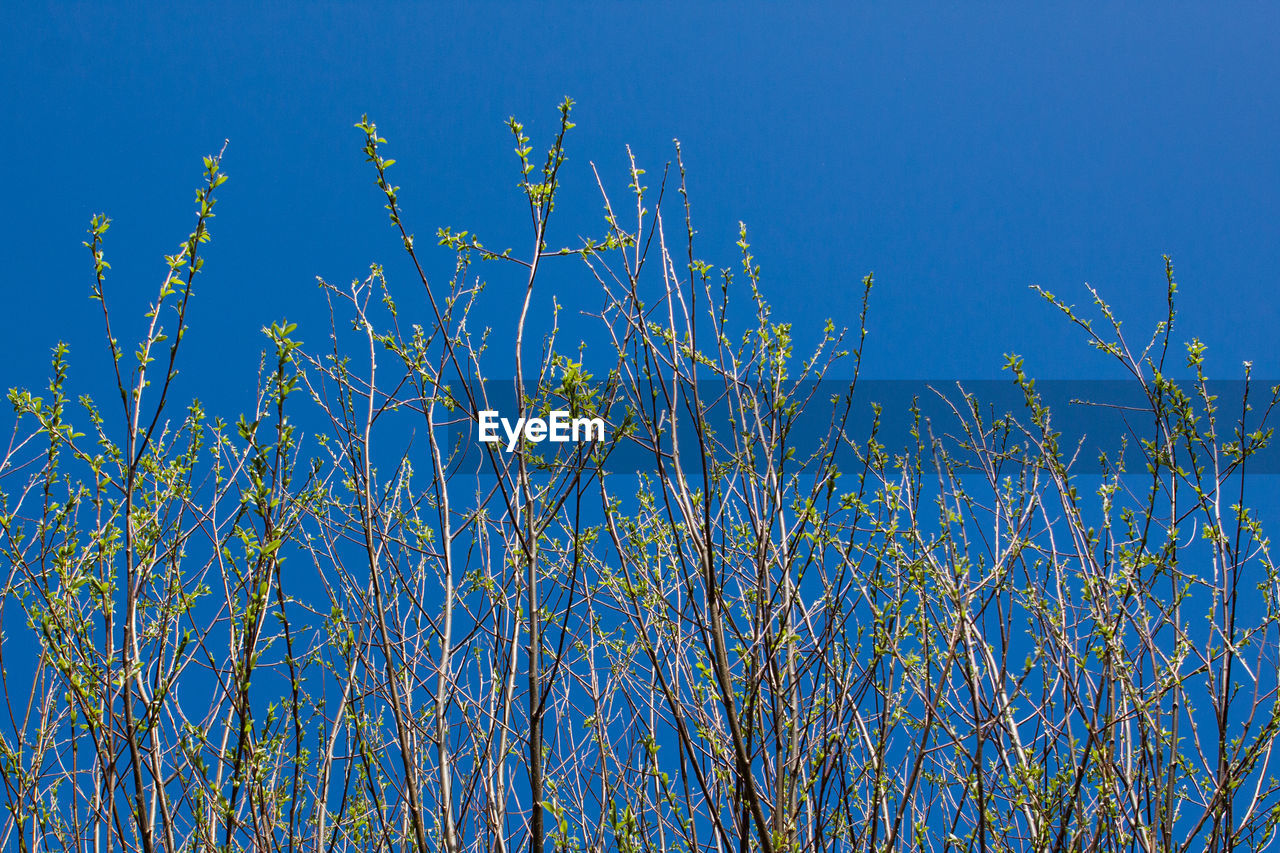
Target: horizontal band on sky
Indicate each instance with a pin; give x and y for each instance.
(1089, 419)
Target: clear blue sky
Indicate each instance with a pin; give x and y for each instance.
(961, 152)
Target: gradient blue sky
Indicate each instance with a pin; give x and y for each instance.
(962, 152)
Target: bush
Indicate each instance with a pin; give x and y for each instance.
(762, 629)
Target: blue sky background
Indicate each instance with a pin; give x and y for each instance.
(961, 152)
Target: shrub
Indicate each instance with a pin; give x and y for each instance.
(737, 623)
